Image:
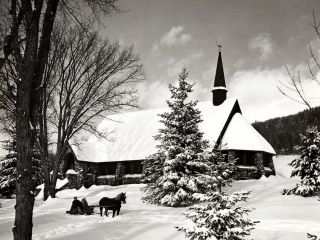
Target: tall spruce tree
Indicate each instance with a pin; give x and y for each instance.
(182, 171)
(307, 166)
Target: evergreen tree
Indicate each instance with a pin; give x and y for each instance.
(8, 169)
(152, 167)
(307, 166)
(220, 218)
(222, 169)
(184, 167)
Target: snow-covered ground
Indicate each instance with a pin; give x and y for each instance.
(281, 217)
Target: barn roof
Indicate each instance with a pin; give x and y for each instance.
(130, 135)
(240, 135)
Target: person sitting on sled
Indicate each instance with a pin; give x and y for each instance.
(86, 208)
(76, 207)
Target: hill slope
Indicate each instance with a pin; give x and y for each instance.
(283, 132)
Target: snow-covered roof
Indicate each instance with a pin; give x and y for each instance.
(240, 135)
(130, 135)
(71, 171)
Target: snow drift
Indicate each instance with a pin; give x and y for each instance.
(281, 217)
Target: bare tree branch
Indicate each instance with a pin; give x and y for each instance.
(316, 23)
(89, 78)
(293, 89)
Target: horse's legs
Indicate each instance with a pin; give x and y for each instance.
(118, 211)
(113, 212)
(106, 211)
(101, 210)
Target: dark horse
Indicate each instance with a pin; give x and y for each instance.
(113, 204)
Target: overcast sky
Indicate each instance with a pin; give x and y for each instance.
(259, 38)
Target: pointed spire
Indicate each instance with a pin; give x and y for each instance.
(219, 90)
(219, 80)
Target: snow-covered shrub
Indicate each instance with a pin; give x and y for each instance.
(184, 166)
(307, 166)
(220, 218)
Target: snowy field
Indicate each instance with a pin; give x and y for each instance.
(281, 217)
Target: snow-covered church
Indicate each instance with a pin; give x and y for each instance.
(119, 159)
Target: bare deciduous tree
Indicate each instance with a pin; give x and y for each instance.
(27, 43)
(294, 88)
(90, 78)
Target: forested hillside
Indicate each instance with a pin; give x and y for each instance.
(283, 132)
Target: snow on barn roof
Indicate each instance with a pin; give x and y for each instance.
(240, 135)
(130, 135)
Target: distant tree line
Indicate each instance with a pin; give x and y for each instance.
(284, 132)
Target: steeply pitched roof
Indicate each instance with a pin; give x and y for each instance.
(131, 134)
(240, 135)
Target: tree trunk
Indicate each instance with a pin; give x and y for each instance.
(59, 156)
(52, 185)
(46, 193)
(52, 190)
(45, 165)
(43, 140)
(46, 183)
(25, 185)
(54, 175)
(22, 229)
(23, 219)
(25, 134)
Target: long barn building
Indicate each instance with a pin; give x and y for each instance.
(130, 140)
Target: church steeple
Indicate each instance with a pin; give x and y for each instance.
(219, 90)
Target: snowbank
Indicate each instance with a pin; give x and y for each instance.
(281, 217)
(60, 183)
